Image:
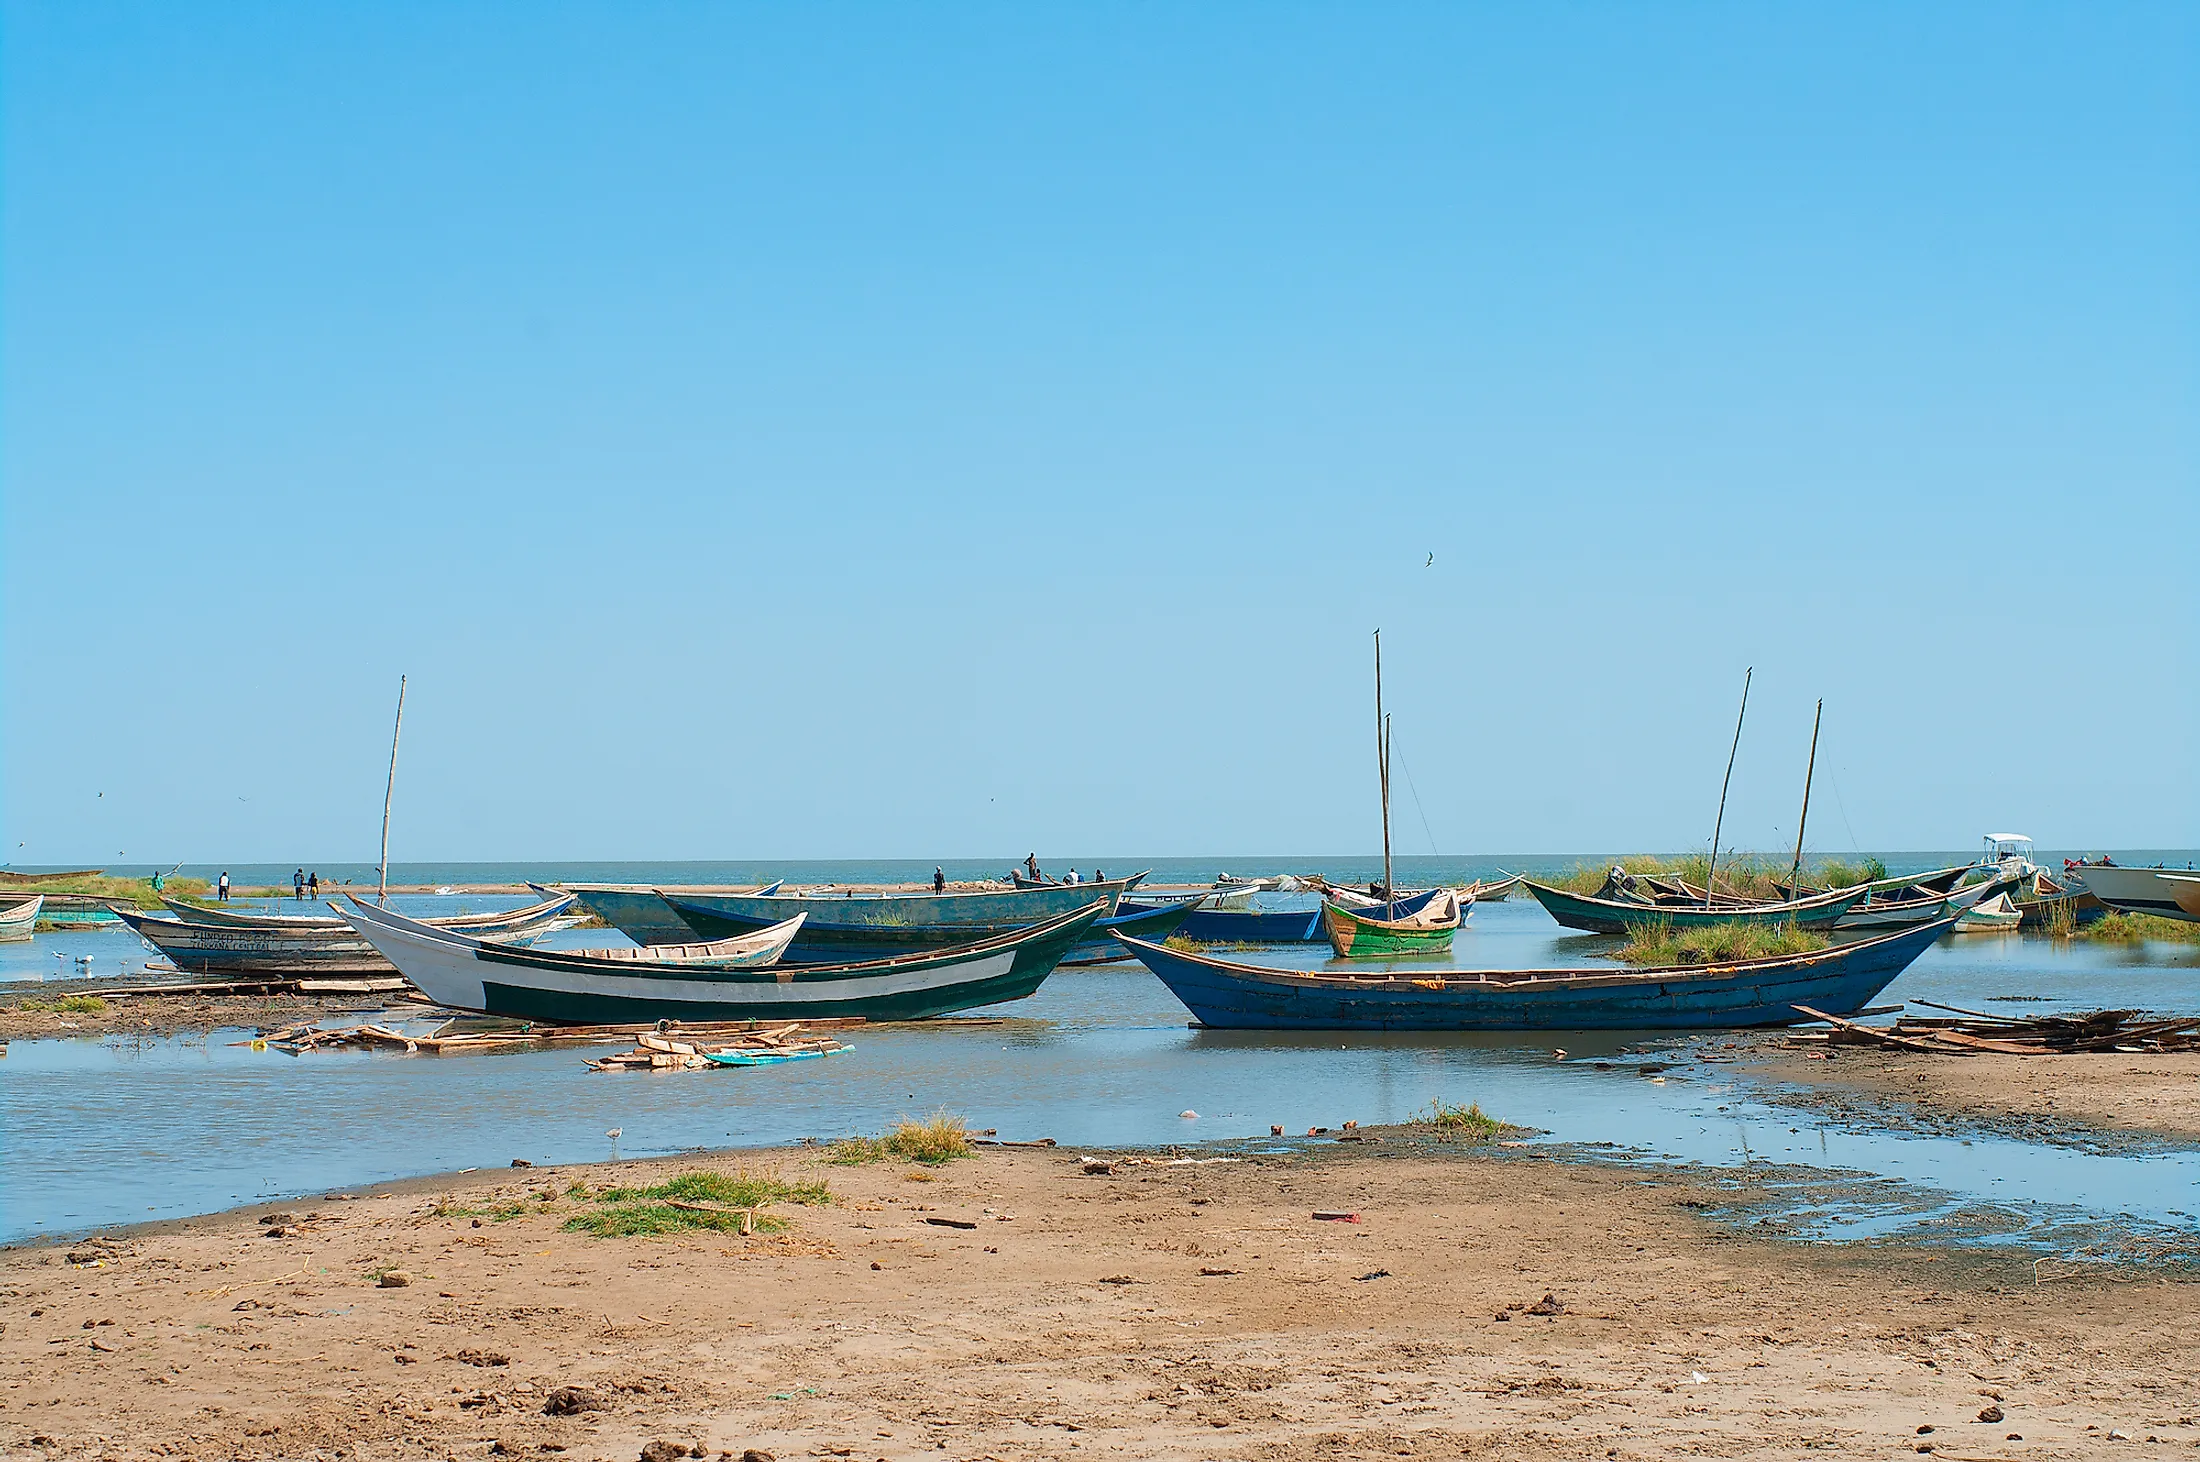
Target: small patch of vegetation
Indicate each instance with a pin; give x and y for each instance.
(1657, 942)
(720, 1202)
(66, 1005)
(2122, 928)
(940, 1138)
(138, 891)
(1468, 1122)
(1749, 875)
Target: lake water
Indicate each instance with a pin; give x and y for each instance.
(99, 1132)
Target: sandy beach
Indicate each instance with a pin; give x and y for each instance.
(1016, 1305)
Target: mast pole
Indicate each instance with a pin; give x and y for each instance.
(1382, 761)
(1811, 770)
(382, 879)
(1711, 873)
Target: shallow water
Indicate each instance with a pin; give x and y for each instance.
(106, 1131)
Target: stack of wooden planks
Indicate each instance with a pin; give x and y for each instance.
(676, 1048)
(1973, 1032)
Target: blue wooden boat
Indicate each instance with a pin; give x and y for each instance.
(1614, 916)
(769, 1058)
(1229, 995)
(865, 926)
(1242, 926)
(1155, 922)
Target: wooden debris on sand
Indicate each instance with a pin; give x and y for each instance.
(682, 1048)
(663, 1040)
(1972, 1032)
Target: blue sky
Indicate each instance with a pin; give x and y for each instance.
(951, 431)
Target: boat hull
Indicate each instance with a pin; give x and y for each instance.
(641, 914)
(1232, 996)
(1613, 916)
(527, 920)
(1098, 947)
(881, 925)
(2135, 890)
(472, 974)
(1352, 935)
(212, 950)
(1254, 926)
(18, 921)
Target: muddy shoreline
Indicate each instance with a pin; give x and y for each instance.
(1016, 1305)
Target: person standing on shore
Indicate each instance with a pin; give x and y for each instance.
(221, 889)
(1031, 866)
(939, 880)
(313, 883)
(298, 884)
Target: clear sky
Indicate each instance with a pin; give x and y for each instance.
(827, 430)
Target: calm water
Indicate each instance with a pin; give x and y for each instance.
(106, 1131)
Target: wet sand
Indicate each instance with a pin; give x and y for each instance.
(166, 1015)
(2101, 1092)
(1156, 1311)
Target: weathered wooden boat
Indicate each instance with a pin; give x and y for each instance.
(1897, 913)
(226, 949)
(1157, 923)
(870, 925)
(1996, 915)
(531, 919)
(2185, 888)
(772, 1058)
(526, 984)
(1420, 925)
(75, 910)
(1230, 995)
(1491, 893)
(1243, 926)
(1018, 879)
(639, 911)
(20, 918)
(2133, 890)
(332, 947)
(1613, 916)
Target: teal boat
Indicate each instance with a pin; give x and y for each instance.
(1615, 916)
(769, 1058)
(853, 926)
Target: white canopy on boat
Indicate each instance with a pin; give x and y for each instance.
(2009, 837)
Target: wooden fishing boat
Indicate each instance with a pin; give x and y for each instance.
(230, 950)
(579, 989)
(1140, 921)
(2133, 890)
(1421, 925)
(75, 910)
(1613, 916)
(772, 1058)
(1898, 913)
(1018, 879)
(1490, 893)
(528, 920)
(857, 926)
(2185, 888)
(1230, 995)
(20, 918)
(1996, 915)
(264, 948)
(1242, 926)
(639, 911)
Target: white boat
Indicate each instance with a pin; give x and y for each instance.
(2185, 888)
(17, 922)
(1991, 916)
(540, 918)
(2138, 890)
(531, 984)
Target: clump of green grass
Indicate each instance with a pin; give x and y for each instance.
(1657, 942)
(2122, 928)
(66, 1005)
(732, 1199)
(1469, 1122)
(138, 891)
(940, 1138)
(1749, 875)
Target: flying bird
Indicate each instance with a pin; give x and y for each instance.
(1431, 561)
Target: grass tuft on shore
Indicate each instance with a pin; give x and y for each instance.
(138, 891)
(940, 1138)
(1469, 1122)
(1659, 943)
(719, 1202)
(66, 1005)
(2121, 928)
